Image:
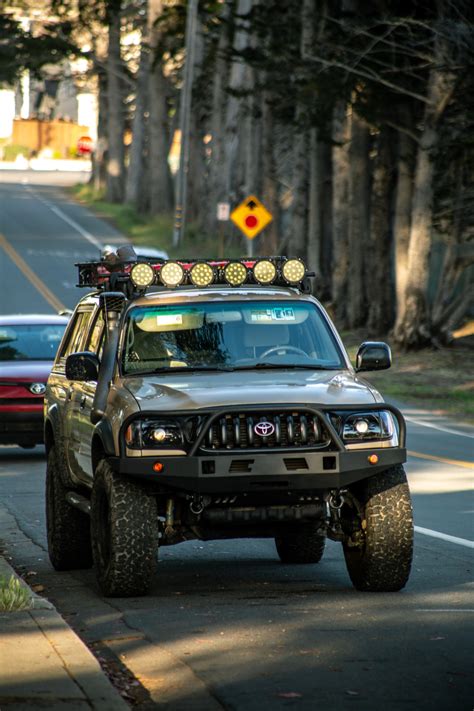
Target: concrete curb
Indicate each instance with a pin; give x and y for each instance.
(42, 661)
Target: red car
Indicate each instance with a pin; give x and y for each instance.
(28, 345)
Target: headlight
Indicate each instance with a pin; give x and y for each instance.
(163, 433)
(154, 434)
(360, 427)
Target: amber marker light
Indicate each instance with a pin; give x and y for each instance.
(158, 466)
(373, 458)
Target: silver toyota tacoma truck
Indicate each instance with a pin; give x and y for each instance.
(196, 399)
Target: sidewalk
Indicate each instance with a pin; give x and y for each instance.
(43, 664)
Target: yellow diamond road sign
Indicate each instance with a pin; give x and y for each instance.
(251, 216)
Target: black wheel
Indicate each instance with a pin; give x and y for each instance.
(379, 555)
(68, 529)
(124, 525)
(301, 545)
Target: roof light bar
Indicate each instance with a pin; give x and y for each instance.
(131, 276)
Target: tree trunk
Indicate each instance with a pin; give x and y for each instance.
(402, 217)
(269, 238)
(340, 212)
(115, 108)
(313, 247)
(413, 326)
(359, 228)
(380, 297)
(160, 182)
(134, 184)
(99, 174)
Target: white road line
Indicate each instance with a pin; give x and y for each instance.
(57, 211)
(445, 537)
(423, 423)
(427, 609)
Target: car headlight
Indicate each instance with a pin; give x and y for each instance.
(360, 427)
(163, 433)
(154, 434)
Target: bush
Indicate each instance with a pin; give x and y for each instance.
(13, 150)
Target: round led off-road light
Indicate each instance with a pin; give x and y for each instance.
(235, 273)
(201, 274)
(172, 274)
(264, 271)
(293, 271)
(142, 275)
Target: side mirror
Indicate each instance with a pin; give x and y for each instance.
(82, 366)
(373, 355)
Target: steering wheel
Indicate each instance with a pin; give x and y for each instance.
(286, 349)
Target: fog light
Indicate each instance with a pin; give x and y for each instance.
(158, 467)
(293, 271)
(142, 275)
(172, 274)
(373, 458)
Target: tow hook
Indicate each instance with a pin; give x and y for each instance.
(334, 504)
(198, 504)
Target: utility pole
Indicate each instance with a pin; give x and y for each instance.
(184, 123)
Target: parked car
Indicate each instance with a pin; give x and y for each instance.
(212, 400)
(28, 345)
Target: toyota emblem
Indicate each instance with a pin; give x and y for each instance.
(37, 388)
(264, 429)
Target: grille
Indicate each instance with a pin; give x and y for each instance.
(291, 430)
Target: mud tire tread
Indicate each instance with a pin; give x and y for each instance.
(68, 529)
(126, 562)
(303, 546)
(383, 564)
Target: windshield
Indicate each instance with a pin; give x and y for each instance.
(236, 335)
(30, 342)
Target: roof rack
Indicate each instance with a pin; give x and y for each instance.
(133, 275)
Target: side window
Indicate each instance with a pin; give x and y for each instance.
(95, 341)
(76, 333)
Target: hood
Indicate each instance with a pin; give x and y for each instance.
(25, 370)
(196, 390)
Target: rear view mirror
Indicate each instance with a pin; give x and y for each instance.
(82, 366)
(373, 355)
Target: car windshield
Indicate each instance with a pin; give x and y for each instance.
(30, 341)
(232, 336)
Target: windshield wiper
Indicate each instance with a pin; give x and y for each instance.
(283, 366)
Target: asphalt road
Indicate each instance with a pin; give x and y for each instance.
(226, 625)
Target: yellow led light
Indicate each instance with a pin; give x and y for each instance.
(293, 271)
(142, 275)
(172, 274)
(264, 271)
(235, 273)
(201, 274)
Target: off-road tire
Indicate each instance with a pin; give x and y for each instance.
(124, 525)
(68, 529)
(302, 545)
(382, 562)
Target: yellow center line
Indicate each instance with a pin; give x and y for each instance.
(443, 460)
(30, 275)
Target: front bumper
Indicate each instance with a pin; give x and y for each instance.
(24, 428)
(260, 472)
